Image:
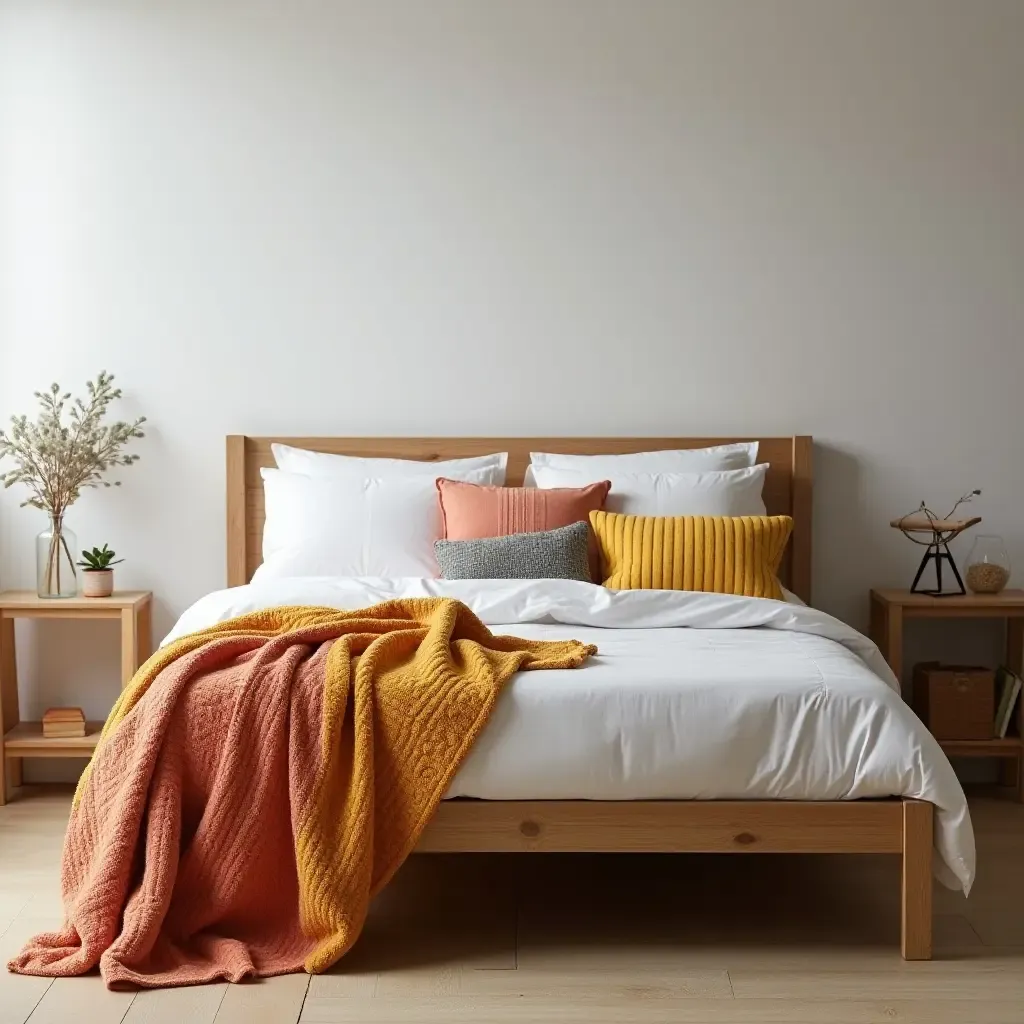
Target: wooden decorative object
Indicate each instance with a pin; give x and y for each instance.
(63, 723)
(922, 524)
(936, 533)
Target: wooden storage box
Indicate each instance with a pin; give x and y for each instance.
(956, 702)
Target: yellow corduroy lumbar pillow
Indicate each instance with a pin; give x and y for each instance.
(715, 554)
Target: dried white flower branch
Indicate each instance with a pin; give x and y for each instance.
(55, 461)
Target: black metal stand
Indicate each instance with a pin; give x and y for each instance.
(939, 552)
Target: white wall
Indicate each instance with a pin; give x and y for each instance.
(540, 216)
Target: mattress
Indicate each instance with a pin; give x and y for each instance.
(691, 696)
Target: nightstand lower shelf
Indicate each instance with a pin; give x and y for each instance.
(132, 609)
(892, 608)
(27, 740)
(1008, 747)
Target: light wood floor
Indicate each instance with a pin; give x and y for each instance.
(476, 939)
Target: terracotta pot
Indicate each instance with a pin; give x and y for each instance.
(97, 582)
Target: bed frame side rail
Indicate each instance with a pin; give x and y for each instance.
(713, 826)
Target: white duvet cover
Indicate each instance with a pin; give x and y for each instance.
(691, 696)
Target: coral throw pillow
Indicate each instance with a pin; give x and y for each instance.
(473, 511)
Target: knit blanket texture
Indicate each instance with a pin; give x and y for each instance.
(259, 781)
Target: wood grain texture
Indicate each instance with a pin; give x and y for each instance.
(841, 985)
(1006, 604)
(10, 767)
(802, 512)
(27, 740)
(264, 1001)
(79, 1000)
(916, 881)
(892, 607)
(144, 631)
(131, 609)
(632, 1006)
(63, 611)
(592, 940)
(1003, 747)
(787, 489)
(19, 996)
(196, 1004)
(665, 826)
(29, 601)
(237, 495)
(129, 645)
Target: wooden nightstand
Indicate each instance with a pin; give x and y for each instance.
(25, 739)
(890, 608)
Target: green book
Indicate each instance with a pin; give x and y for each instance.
(1008, 687)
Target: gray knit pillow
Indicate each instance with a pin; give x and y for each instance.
(559, 554)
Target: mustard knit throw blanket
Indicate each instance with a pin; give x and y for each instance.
(260, 780)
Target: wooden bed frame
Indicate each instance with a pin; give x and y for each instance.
(642, 826)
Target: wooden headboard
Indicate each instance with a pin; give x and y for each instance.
(787, 489)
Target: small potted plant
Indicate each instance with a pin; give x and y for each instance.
(98, 578)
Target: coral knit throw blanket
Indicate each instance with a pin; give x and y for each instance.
(259, 781)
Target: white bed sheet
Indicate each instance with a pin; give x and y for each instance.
(691, 696)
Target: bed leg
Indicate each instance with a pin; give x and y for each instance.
(917, 880)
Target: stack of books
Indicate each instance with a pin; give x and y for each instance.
(63, 723)
(1008, 687)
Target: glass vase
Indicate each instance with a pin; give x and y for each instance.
(55, 565)
(988, 565)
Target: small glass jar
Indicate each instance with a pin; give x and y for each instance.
(55, 565)
(988, 565)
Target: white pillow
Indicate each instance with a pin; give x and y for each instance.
(321, 464)
(682, 460)
(351, 526)
(729, 492)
